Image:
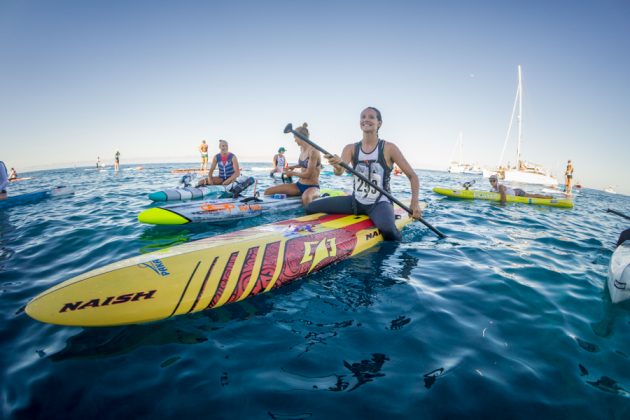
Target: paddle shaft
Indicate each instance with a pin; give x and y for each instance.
(364, 179)
(618, 213)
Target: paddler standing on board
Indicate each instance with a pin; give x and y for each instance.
(568, 178)
(373, 158)
(117, 160)
(229, 172)
(203, 149)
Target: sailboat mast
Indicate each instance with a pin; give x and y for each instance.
(461, 148)
(520, 116)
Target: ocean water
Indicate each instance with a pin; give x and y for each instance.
(508, 317)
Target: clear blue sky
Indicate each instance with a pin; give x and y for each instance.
(81, 79)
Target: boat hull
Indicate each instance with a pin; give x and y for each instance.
(525, 177)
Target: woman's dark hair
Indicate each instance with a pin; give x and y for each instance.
(378, 113)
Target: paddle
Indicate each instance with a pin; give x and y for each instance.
(289, 129)
(618, 213)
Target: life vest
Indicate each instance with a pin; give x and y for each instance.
(225, 165)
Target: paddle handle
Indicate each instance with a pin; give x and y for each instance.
(289, 129)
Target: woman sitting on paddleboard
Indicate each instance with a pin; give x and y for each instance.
(229, 172)
(373, 158)
(309, 165)
(504, 190)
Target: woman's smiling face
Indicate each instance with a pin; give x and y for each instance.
(369, 120)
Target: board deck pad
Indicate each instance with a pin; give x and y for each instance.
(222, 210)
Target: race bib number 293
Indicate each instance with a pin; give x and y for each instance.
(365, 189)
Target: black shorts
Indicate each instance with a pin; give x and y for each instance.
(519, 192)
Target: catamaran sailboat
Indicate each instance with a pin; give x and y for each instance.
(523, 172)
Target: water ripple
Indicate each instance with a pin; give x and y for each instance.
(508, 316)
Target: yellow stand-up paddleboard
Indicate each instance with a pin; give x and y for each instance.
(207, 273)
(492, 196)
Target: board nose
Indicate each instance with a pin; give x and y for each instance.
(160, 216)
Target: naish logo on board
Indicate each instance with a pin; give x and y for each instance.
(374, 234)
(110, 300)
(157, 266)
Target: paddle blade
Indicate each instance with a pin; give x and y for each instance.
(288, 128)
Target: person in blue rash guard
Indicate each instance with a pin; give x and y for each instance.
(374, 159)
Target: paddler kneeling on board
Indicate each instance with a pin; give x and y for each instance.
(504, 190)
(374, 159)
(307, 170)
(229, 172)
